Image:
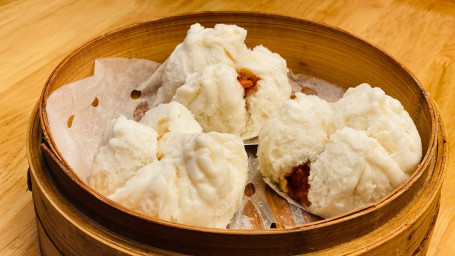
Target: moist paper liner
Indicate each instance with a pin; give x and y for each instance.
(112, 83)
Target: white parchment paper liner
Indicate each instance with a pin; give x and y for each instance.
(111, 85)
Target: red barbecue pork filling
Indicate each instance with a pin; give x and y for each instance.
(248, 80)
(297, 183)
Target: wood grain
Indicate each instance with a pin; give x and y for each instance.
(36, 35)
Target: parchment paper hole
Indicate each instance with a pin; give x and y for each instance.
(70, 121)
(249, 190)
(95, 102)
(135, 94)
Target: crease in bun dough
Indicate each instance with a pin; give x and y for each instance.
(352, 171)
(336, 157)
(215, 98)
(171, 117)
(383, 118)
(166, 167)
(228, 87)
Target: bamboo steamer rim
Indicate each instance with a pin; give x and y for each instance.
(258, 15)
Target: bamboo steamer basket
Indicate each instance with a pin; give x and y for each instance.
(73, 219)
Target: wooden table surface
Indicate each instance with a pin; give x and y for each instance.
(36, 35)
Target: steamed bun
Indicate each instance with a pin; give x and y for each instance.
(201, 47)
(352, 171)
(383, 118)
(273, 87)
(199, 180)
(166, 167)
(293, 135)
(336, 157)
(171, 117)
(227, 86)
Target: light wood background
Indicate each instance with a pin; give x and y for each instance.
(36, 35)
